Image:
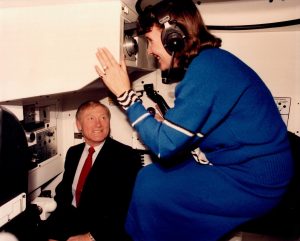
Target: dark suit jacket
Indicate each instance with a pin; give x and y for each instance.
(105, 197)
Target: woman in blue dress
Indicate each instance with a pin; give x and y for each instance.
(223, 156)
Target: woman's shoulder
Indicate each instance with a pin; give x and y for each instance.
(214, 54)
(211, 58)
(208, 59)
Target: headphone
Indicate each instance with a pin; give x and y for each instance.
(172, 36)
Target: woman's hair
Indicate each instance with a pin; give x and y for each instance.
(188, 18)
(90, 103)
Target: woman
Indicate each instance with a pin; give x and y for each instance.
(235, 161)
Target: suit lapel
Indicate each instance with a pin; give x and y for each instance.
(76, 157)
(104, 154)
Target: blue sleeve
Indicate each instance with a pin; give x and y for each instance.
(202, 100)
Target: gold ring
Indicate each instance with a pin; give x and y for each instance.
(105, 67)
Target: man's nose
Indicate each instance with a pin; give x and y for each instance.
(98, 122)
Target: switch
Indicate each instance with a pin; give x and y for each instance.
(283, 105)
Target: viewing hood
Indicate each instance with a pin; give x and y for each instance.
(49, 46)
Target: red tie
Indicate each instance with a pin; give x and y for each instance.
(84, 172)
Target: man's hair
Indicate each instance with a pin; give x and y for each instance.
(90, 103)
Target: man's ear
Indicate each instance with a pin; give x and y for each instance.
(78, 124)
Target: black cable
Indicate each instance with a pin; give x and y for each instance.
(255, 26)
(166, 74)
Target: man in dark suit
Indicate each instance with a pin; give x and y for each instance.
(100, 212)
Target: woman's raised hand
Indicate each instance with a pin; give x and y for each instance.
(113, 74)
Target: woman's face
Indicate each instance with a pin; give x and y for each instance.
(156, 48)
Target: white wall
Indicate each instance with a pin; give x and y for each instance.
(274, 53)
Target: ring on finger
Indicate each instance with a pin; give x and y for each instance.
(105, 67)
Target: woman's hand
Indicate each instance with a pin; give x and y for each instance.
(113, 74)
(159, 118)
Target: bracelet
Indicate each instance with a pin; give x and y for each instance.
(91, 237)
(128, 98)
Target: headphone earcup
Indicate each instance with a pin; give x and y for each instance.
(173, 38)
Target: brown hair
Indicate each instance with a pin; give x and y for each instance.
(90, 103)
(189, 19)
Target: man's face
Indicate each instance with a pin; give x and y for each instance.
(94, 122)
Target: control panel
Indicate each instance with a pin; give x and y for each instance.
(41, 132)
(283, 104)
(45, 147)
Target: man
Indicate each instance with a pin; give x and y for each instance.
(96, 211)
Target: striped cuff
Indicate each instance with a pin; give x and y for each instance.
(127, 99)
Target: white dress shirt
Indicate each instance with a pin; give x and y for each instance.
(80, 165)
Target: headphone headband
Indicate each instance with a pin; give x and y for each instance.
(164, 19)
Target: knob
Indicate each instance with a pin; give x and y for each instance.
(130, 45)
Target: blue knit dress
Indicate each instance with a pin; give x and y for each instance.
(242, 164)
